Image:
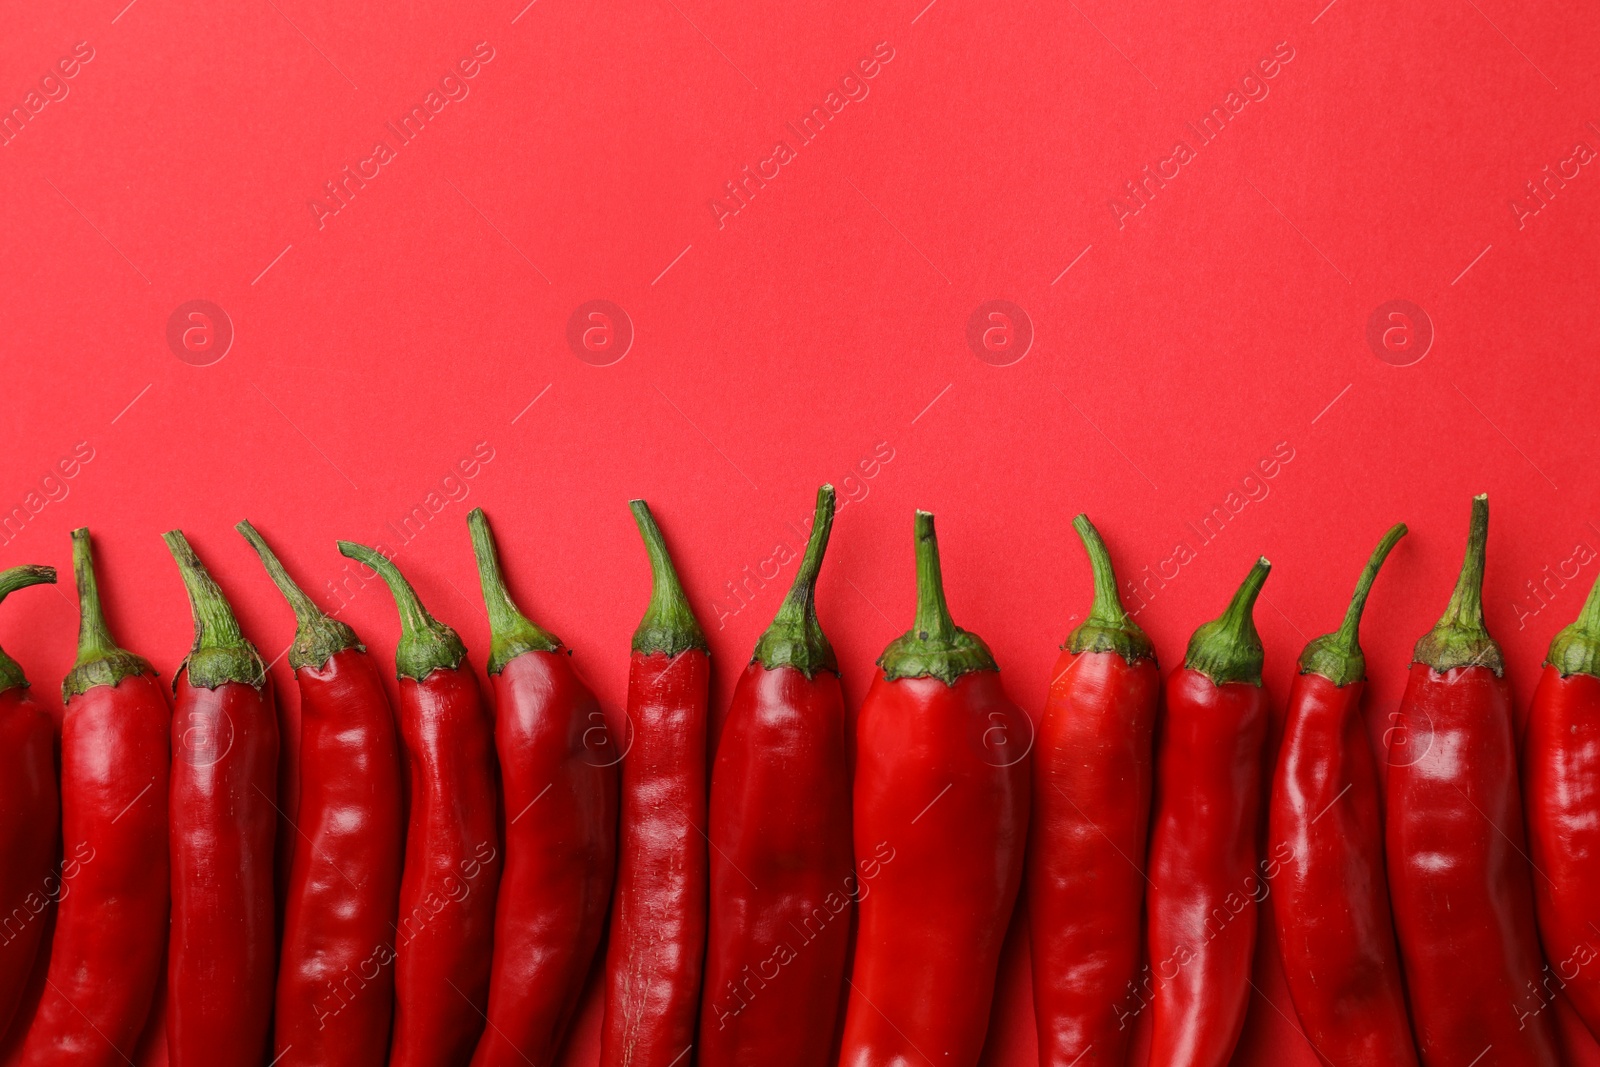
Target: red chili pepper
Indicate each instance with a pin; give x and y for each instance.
(30, 815)
(445, 935)
(110, 935)
(335, 995)
(781, 862)
(940, 822)
(658, 921)
(1561, 766)
(1335, 930)
(1204, 843)
(1458, 873)
(223, 818)
(1092, 777)
(560, 797)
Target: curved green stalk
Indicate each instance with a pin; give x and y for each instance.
(935, 646)
(11, 676)
(1460, 639)
(426, 644)
(1576, 649)
(511, 633)
(795, 638)
(1228, 649)
(669, 625)
(1109, 627)
(100, 660)
(220, 653)
(1337, 656)
(317, 635)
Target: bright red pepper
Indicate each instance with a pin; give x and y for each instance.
(30, 815)
(1331, 897)
(1458, 871)
(1092, 773)
(445, 933)
(781, 861)
(941, 821)
(658, 919)
(1205, 886)
(223, 820)
(1561, 783)
(560, 797)
(335, 995)
(110, 935)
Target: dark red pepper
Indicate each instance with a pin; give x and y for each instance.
(658, 917)
(445, 931)
(559, 785)
(223, 818)
(1205, 886)
(781, 862)
(1458, 869)
(1331, 896)
(940, 823)
(1092, 774)
(30, 815)
(335, 994)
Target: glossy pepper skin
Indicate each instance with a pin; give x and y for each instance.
(1458, 876)
(1092, 774)
(222, 950)
(445, 928)
(658, 917)
(559, 785)
(30, 814)
(1205, 885)
(781, 857)
(335, 993)
(941, 820)
(1331, 896)
(1561, 784)
(110, 935)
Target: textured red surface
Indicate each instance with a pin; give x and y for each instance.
(819, 333)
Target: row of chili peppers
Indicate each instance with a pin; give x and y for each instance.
(447, 873)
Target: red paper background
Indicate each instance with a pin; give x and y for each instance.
(821, 324)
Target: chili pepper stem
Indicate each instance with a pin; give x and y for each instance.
(317, 635)
(11, 676)
(1228, 649)
(1337, 656)
(511, 633)
(1576, 649)
(669, 625)
(935, 646)
(426, 644)
(795, 638)
(1109, 627)
(220, 653)
(100, 661)
(1460, 638)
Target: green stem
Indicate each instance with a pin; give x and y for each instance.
(220, 653)
(1109, 627)
(1337, 656)
(426, 645)
(511, 633)
(11, 676)
(669, 625)
(317, 635)
(795, 638)
(1228, 649)
(1460, 638)
(100, 660)
(1576, 649)
(935, 646)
